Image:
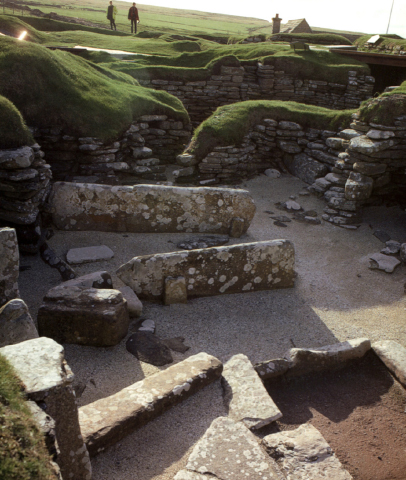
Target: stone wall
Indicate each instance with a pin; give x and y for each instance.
(263, 82)
(127, 160)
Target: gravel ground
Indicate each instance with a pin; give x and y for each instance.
(336, 298)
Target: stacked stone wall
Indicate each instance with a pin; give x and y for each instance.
(263, 82)
(127, 160)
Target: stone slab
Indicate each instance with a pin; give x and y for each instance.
(379, 261)
(9, 265)
(134, 304)
(77, 256)
(16, 324)
(306, 360)
(393, 355)
(245, 395)
(149, 208)
(303, 454)
(272, 368)
(239, 268)
(107, 421)
(16, 158)
(85, 316)
(47, 379)
(229, 451)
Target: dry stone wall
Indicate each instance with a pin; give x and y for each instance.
(263, 82)
(140, 154)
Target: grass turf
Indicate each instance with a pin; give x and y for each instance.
(385, 108)
(13, 130)
(23, 454)
(312, 38)
(229, 124)
(58, 88)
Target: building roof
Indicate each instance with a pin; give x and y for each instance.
(296, 26)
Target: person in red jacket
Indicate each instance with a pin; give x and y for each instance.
(133, 16)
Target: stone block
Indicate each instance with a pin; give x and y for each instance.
(85, 316)
(367, 168)
(107, 421)
(245, 395)
(9, 265)
(16, 324)
(134, 304)
(303, 454)
(175, 290)
(212, 271)
(305, 167)
(100, 279)
(186, 160)
(358, 187)
(16, 158)
(77, 256)
(329, 357)
(149, 208)
(47, 380)
(393, 355)
(228, 451)
(237, 227)
(367, 146)
(272, 368)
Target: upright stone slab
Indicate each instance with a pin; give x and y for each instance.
(9, 265)
(85, 316)
(16, 324)
(47, 379)
(240, 268)
(393, 355)
(149, 208)
(245, 395)
(229, 451)
(107, 421)
(303, 454)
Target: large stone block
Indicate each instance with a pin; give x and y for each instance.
(303, 454)
(110, 419)
(245, 395)
(47, 380)
(212, 271)
(229, 451)
(16, 324)
(9, 265)
(149, 208)
(85, 316)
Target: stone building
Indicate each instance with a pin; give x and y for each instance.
(296, 26)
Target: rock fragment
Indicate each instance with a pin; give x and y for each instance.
(379, 261)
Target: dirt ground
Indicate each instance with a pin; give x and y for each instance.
(359, 410)
(336, 297)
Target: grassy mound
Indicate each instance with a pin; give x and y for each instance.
(386, 42)
(385, 108)
(57, 88)
(14, 131)
(315, 64)
(23, 454)
(229, 124)
(312, 38)
(13, 26)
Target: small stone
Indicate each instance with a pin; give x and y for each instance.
(272, 173)
(134, 304)
(237, 227)
(279, 224)
(403, 252)
(392, 248)
(146, 326)
(292, 205)
(175, 290)
(281, 218)
(386, 263)
(382, 236)
(176, 344)
(89, 254)
(149, 349)
(16, 324)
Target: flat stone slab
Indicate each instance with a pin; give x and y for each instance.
(9, 265)
(89, 254)
(16, 324)
(107, 421)
(393, 355)
(85, 316)
(239, 268)
(149, 348)
(229, 451)
(305, 360)
(245, 395)
(149, 208)
(379, 261)
(303, 454)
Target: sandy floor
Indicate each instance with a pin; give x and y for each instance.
(336, 297)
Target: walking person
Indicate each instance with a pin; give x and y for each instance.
(111, 15)
(133, 16)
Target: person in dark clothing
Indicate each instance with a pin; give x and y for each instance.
(111, 15)
(133, 16)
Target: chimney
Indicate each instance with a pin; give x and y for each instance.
(276, 24)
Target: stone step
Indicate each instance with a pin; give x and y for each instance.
(106, 421)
